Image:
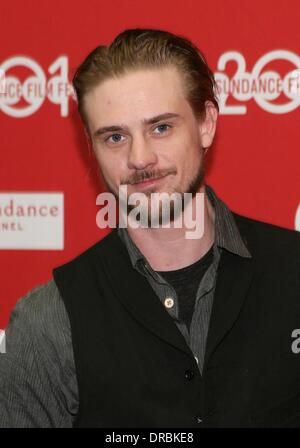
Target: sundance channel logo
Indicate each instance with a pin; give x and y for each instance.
(153, 210)
(31, 220)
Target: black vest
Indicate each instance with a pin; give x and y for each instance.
(133, 366)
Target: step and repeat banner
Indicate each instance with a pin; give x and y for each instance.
(48, 177)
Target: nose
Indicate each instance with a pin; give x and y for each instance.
(141, 155)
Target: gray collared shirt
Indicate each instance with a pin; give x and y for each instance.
(227, 237)
(38, 385)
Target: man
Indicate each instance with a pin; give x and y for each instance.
(149, 328)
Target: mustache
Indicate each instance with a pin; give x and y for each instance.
(147, 175)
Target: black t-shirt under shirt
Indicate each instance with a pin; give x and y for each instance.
(186, 281)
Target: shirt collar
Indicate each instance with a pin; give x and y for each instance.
(227, 235)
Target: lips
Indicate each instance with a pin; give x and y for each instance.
(148, 182)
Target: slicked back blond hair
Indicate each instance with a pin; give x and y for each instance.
(135, 49)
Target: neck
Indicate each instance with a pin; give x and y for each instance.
(169, 249)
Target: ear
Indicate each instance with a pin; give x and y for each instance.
(207, 127)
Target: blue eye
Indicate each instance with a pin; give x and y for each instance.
(116, 138)
(162, 128)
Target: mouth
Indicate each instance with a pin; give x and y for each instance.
(149, 182)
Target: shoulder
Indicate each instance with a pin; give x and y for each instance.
(268, 234)
(83, 262)
(43, 300)
(41, 312)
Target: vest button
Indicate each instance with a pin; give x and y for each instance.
(189, 374)
(169, 302)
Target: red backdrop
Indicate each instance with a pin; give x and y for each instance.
(252, 46)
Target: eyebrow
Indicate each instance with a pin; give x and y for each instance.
(152, 120)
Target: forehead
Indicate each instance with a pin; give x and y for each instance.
(135, 96)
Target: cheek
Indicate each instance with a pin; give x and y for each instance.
(191, 163)
(188, 155)
(112, 168)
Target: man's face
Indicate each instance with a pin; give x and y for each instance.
(145, 134)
